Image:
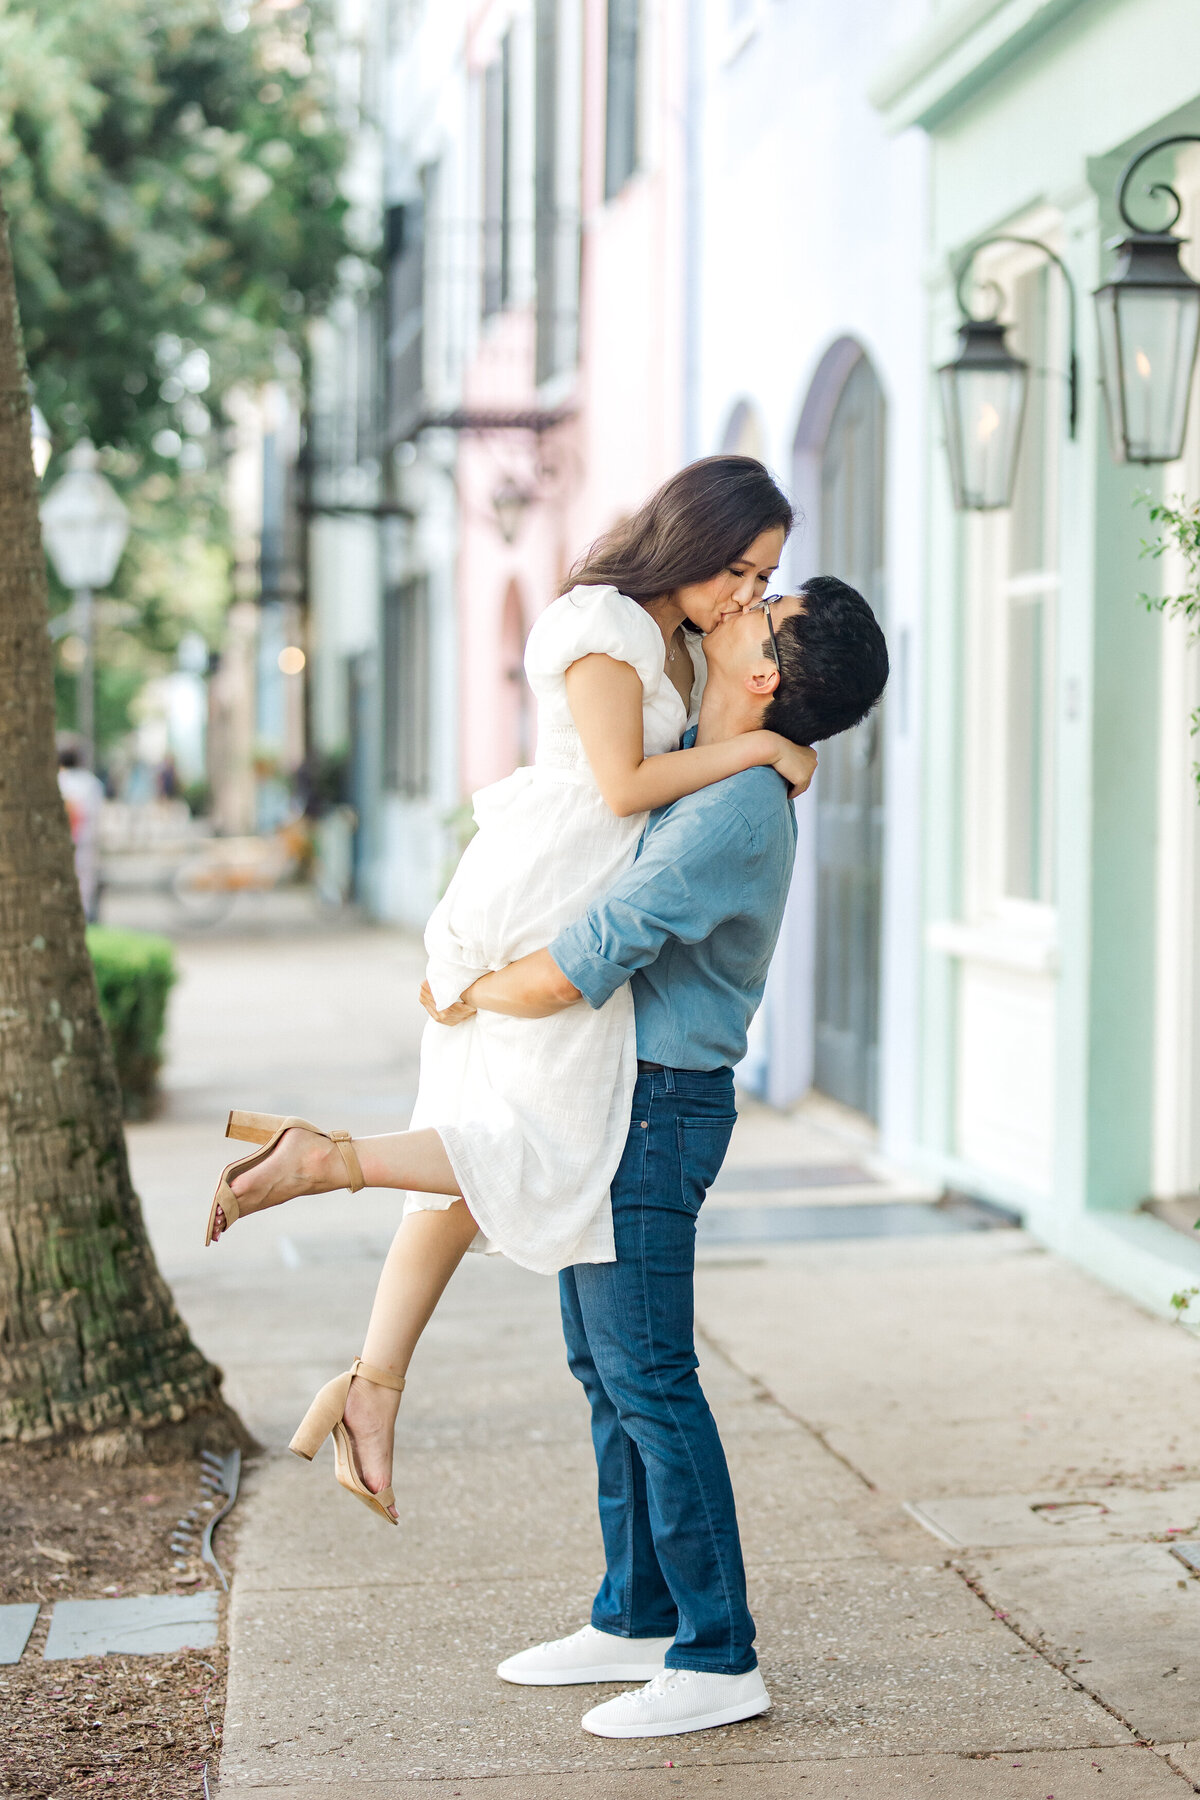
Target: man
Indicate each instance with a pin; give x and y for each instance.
(692, 924)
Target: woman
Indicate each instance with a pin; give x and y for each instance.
(519, 1124)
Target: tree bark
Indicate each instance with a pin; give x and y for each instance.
(91, 1345)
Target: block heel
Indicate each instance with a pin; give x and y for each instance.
(266, 1129)
(326, 1418)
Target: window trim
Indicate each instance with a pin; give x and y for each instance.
(988, 598)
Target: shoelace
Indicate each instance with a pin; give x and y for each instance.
(663, 1683)
(559, 1643)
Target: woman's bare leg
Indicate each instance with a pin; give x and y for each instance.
(303, 1162)
(426, 1250)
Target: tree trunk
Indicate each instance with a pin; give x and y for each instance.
(91, 1346)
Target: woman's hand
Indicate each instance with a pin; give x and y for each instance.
(797, 763)
(449, 1015)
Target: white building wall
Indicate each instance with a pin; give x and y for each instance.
(404, 98)
(812, 230)
(428, 127)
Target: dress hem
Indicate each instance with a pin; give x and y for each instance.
(492, 1244)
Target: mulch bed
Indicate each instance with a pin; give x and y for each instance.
(144, 1727)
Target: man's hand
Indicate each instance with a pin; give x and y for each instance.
(449, 1015)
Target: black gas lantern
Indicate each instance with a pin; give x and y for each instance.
(983, 394)
(1148, 316)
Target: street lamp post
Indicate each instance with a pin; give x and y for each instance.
(1148, 316)
(84, 528)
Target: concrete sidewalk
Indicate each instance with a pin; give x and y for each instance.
(961, 1468)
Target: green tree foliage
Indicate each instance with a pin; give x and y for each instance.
(171, 171)
(1179, 536)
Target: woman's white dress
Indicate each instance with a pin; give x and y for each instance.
(534, 1113)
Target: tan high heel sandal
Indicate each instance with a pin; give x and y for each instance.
(327, 1414)
(267, 1129)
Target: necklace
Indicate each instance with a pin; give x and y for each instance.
(672, 651)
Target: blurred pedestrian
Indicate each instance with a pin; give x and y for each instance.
(83, 797)
(166, 779)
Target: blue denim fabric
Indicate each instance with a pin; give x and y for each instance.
(666, 1504)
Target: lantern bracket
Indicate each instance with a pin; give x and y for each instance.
(960, 294)
(1163, 188)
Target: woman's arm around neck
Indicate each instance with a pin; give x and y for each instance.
(605, 697)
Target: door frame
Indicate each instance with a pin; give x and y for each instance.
(791, 1014)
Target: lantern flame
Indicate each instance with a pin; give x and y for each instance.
(1141, 363)
(989, 421)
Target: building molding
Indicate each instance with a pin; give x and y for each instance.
(956, 55)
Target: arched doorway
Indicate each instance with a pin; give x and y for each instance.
(841, 474)
(743, 434)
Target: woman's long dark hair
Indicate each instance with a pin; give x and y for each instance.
(698, 522)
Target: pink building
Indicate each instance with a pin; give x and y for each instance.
(573, 400)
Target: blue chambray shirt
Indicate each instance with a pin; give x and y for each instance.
(693, 922)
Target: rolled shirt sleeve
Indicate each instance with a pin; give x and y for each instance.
(685, 883)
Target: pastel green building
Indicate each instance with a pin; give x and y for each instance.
(1060, 1014)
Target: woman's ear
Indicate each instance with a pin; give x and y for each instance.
(761, 683)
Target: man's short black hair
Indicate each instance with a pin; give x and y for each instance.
(833, 663)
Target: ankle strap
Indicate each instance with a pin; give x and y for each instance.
(381, 1377)
(345, 1144)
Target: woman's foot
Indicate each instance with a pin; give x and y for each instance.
(302, 1162)
(370, 1420)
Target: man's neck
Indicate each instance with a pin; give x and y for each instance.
(726, 712)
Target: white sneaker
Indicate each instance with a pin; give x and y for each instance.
(587, 1655)
(679, 1700)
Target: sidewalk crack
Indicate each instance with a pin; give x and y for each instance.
(763, 1392)
(1036, 1643)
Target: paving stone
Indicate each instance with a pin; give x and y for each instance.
(749, 1224)
(140, 1625)
(388, 1684)
(767, 1179)
(1185, 1758)
(1124, 1619)
(1128, 1773)
(796, 1500)
(1054, 1517)
(16, 1623)
(974, 1364)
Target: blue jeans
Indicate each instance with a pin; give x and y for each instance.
(666, 1504)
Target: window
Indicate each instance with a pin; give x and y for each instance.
(497, 181)
(1013, 621)
(367, 381)
(1031, 588)
(406, 689)
(555, 201)
(621, 139)
(404, 250)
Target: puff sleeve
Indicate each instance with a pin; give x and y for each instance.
(591, 621)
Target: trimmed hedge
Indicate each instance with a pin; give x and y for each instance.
(134, 973)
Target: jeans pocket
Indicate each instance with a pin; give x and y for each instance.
(702, 1147)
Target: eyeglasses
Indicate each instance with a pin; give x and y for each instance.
(764, 607)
